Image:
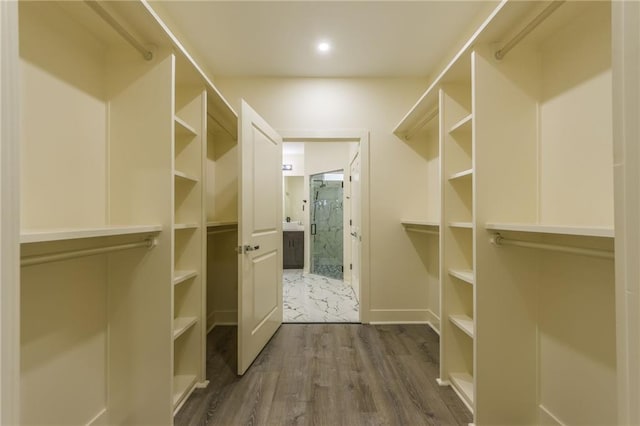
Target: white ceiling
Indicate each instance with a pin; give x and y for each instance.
(278, 38)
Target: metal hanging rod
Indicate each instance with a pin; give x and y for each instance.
(422, 231)
(146, 53)
(221, 231)
(500, 241)
(221, 126)
(72, 254)
(420, 124)
(500, 54)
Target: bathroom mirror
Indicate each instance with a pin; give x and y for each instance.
(293, 196)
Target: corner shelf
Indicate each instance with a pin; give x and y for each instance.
(465, 275)
(583, 231)
(463, 383)
(462, 126)
(464, 323)
(183, 129)
(182, 385)
(182, 276)
(185, 176)
(462, 174)
(180, 325)
(46, 235)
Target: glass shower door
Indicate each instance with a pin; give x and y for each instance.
(326, 191)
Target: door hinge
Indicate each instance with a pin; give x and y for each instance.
(342, 269)
(349, 178)
(351, 266)
(350, 222)
(342, 184)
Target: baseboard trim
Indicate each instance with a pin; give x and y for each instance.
(186, 397)
(546, 418)
(225, 317)
(433, 327)
(441, 382)
(399, 316)
(100, 419)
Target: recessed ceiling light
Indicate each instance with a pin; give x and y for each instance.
(324, 47)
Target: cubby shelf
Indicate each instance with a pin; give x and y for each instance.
(463, 383)
(216, 224)
(420, 223)
(462, 174)
(462, 126)
(185, 176)
(184, 130)
(585, 231)
(182, 276)
(464, 225)
(182, 384)
(464, 323)
(182, 324)
(180, 226)
(465, 275)
(47, 235)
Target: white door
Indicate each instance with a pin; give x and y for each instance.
(355, 223)
(259, 235)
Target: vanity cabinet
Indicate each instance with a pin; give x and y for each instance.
(293, 249)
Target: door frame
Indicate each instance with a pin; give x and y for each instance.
(361, 136)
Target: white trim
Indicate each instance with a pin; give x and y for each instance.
(441, 382)
(99, 419)
(626, 154)
(10, 218)
(360, 136)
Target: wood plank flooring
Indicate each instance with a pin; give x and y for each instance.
(327, 374)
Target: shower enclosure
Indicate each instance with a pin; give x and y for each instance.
(326, 255)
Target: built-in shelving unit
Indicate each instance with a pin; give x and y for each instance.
(592, 231)
(462, 225)
(463, 322)
(185, 176)
(182, 324)
(463, 383)
(182, 384)
(462, 174)
(182, 276)
(218, 224)
(463, 275)
(181, 226)
(184, 132)
(463, 126)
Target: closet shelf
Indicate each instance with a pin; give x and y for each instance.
(464, 323)
(185, 176)
(465, 275)
(216, 224)
(462, 126)
(584, 231)
(465, 225)
(184, 130)
(179, 226)
(182, 385)
(62, 234)
(421, 224)
(182, 276)
(182, 324)
(463, 383)
(462, 174)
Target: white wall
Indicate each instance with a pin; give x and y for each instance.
(376, 105)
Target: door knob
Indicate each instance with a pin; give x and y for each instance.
(248, 247)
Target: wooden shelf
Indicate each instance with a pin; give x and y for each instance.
(420, 223)
(179, 226)
(462, 174)
(180, 325)
(462, 126)
(463, 383)
(185, 176)
(182, 385)
(465, 275)
(464, 323)
(183, 129)
(465, 225)
(216, 224)
(182, 276)
(584, 231)
(47, 235)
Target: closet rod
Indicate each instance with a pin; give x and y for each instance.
(72, 254)
(427, 118)
(500, 241)
(222, 126)
(422, 231)
(146, 53)
(221, 231)
(500, 54)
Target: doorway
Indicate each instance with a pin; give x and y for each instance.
(322, 290)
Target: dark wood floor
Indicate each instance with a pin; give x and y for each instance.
(327, 374)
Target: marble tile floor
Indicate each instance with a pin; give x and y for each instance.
(314, 298)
